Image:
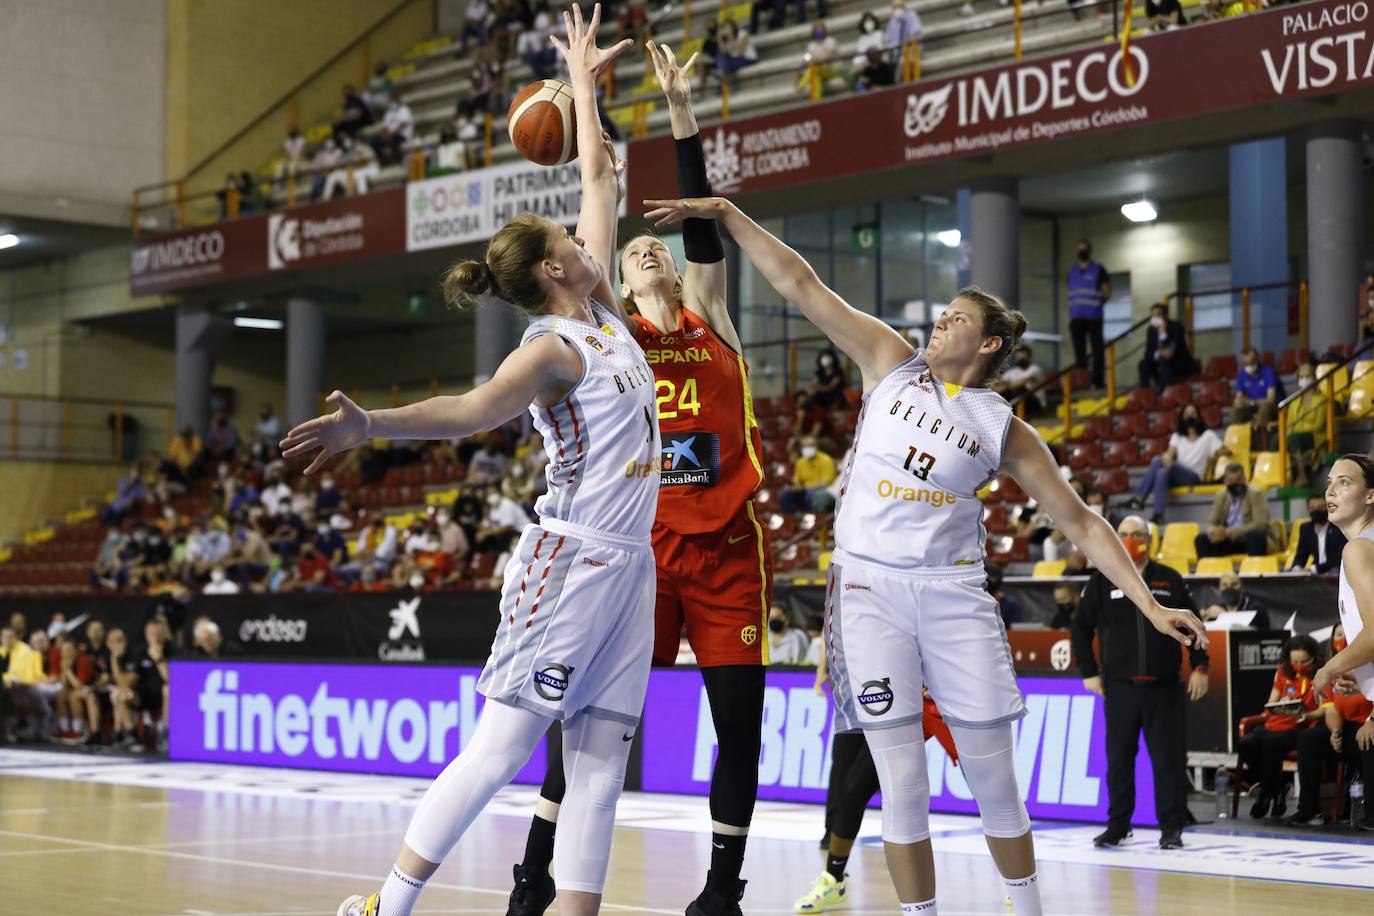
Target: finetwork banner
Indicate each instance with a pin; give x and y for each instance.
(471, 206)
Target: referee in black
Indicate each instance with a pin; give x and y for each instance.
(1139, 682)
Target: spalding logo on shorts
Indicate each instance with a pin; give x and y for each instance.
(551, 682)
(749, 634)
(876, 696)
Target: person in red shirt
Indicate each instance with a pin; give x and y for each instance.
(313, 572)
(711, 553)
(1264, 748)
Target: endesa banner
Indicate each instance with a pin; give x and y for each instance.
(349, 228)
(471, 206)
(1287, 53)
(410, 722)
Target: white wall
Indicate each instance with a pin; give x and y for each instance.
(83, 105)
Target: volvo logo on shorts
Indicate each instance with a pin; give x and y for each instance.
(749, 634)
(551, 681)
(876, 696)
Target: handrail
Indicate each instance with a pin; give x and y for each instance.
(1061, 375)
(1328, 382)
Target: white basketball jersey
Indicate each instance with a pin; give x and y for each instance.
(922, 451)
(1353, 623)
(602, 439)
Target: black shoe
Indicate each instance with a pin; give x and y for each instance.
(714, 902)
(1306, 820)
(1365, 825)
(1279, 808)
(1171, 839)
(825, 841)
(1113, 838)
(533, 894)
(1261, 807)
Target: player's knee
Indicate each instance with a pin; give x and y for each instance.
(906, 792)
(987, 759)
(604, 787)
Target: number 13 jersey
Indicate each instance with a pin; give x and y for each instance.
(922, 450)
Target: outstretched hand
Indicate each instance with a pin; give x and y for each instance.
(1183, 626)
(675, 80)
(664, 213)
(332, 433)
(583, 57)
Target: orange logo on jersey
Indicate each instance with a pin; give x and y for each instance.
(637, 469)
(937, 498)
(690, 355)
(749, 635)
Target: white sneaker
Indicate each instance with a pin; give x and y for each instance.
(825, 895)
(360, 906)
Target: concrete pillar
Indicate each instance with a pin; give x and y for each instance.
(1335, 231)
(495, 335)
(962, 209)
(199, 334)
(1259, 239)
(304, 358)
(995, 228)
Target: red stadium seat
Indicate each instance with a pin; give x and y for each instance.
(997, 519)
(1161, 423)
(1151, 448)
(1085, 455)
(1096, 428)
(1213, 393)
(1005, 549)
(1121, 454)
(1222, 367)
(1004, 489)
(1212, 416)
(1176, 395)
(1081, 379)
(1112, 481)
(1128, 425)
(1142, 399)
(1290, 359)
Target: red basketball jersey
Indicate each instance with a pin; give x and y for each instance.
(712, 449)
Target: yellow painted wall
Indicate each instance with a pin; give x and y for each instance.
(34, 492)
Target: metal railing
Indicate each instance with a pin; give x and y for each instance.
(80, 429)
(1327, 375)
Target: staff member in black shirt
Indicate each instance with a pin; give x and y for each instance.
(1139, 683)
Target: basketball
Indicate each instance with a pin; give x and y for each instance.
(542, 124)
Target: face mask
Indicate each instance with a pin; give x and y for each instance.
(777, 625)
(809, 451)
(826, 362)
(517, 470)
(494, 500)
(169, 514)
(323, 530)
(1305, 381)
(1318, 516)
(327, 484)
(1095, 509)
(1064, 608)
(224, 470)
(1157, 321)
(1230, 596)
(139, 536)
(1236, 489)
(442, 518)
(217, 575)
(1137, 547)
(1083, 254)
(155, 539)
(819, 34)
(417, 581)
(1301, 667)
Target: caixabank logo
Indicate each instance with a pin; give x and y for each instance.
(403, 643)
(690, 459)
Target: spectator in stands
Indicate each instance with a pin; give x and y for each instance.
(737, 50)
(1306, 415)
(1264, 747)
(787, 645)
(123, 695)
(250, 558)
(818, 60)
(1240, 519)
(1008, 606)
(357, 165)
(533, 45)
(220, 583)
(1188, 461)
(1020, 377)
(379, 88)
(328, 498)
(1367, 317)
(222, 443)
(1167, 358)
(448, 155)
(210, 546)
(710, 48)
(210, 642)
(812, 476)
(398, 126)
(1065, 605)
(130, 493)
(474, 23)
(776, 10)
(903, 27)
(502, 524)
(488, 464)
(519, 485)
(313, 572)
(293, 155)
(1320, 543)
(405, 572)
(1165, 14)
(157, 552)
(1257, 390)
(330, 543)
(356, 115)
(824, 396)
(420, 539)
(367, 581)
(71, 704)
(870, 36)
(93, 671)
(1232, 596)
(375, 548)
(327, 159)
(452, 539)
(186, 453)
(1215, 10)
(275, 495)
(1090, 286)
(876, 72)
(267, 430)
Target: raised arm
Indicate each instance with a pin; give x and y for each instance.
(542, 371)
(703, 287)
(596, 223)
(1358, 562)
(875, 347)
(1028, 460)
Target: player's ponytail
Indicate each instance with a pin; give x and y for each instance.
(510, 270)
(999, 320)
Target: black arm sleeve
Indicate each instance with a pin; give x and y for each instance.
(700, 237)
(1082, 628)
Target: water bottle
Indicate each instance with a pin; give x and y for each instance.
(1223, 793)
(1356, 803)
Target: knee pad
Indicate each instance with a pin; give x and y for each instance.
(900, 759)
(987, 758)
(603, 789)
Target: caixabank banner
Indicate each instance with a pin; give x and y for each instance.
(1290, 52)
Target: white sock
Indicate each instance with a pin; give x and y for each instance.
(924, 909)
(399, 893)
(64, 723)
(1025, 895)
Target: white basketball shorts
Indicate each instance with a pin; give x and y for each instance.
(577, 625)
(889, 632)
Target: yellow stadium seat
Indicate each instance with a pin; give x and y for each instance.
(1342, 376)
(1293, 530)
(1180, 540)
(1237, 438)
(1259, 566)
(1362, 371)
(1361, 400)
(1175, 562)
(1243, 459)
(824, 562)
(1215, 566)
(1268, 471)
(1049, 569)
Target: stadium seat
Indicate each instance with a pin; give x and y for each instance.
(1005, 549)
(1213, 394)
(1112, 481)
(1049, 569)
(1176, 395)
(1360, 402)
(1142, 399)
(1151, 448)
(1161, 423)
(823, 561)
(1212, 416)
(1268, 471)
(1121, 454)
(1175, 562)
(997, 519)
(1097, 429)
(1179, 540)
(1004, 489)
(1221, 368)
(1259, 566)
(1290, 359)
(1237, 439)
(1215, 566)
(1129, 426)
(1223, 460)
(1085, 455)
(1341, 373)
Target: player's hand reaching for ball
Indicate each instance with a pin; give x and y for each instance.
(676, 81)
(664, 213)
(585, 60)
(1183, 626)
(330, 434)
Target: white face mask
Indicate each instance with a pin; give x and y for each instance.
(494, 500)
(517, 470)
(1157, 321)
(224, 470)
(216, 575)
(809, 451)
(442, 518)
(417, 581)
(327, 484)
(1095, 509)
(1305, 381)
(323, 530)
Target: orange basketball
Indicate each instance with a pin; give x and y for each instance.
(542, 123)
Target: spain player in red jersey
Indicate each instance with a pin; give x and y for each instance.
(711, 553)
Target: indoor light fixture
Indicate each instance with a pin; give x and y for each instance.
(265, 324)
(1141, 211)
(8, 240)
(950, 238)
